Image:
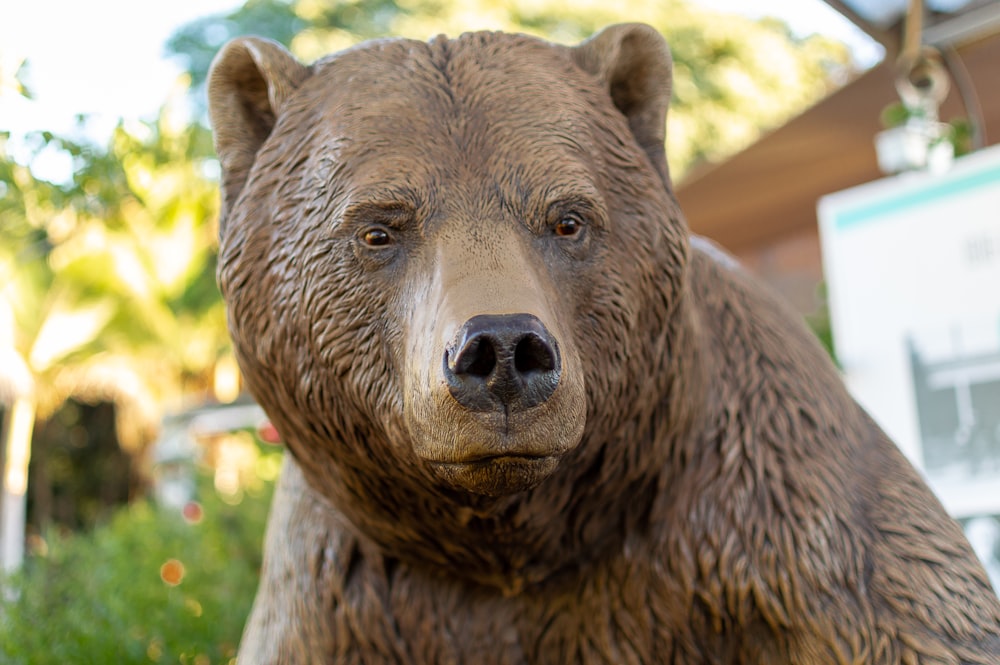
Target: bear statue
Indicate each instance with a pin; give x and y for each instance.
(530, 418)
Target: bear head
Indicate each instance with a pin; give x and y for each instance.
(453, 270)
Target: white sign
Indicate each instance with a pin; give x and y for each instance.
(912, 267)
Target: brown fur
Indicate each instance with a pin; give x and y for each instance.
(698, 489)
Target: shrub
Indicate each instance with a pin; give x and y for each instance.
(151, 585)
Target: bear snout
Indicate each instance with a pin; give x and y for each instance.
(507, 362)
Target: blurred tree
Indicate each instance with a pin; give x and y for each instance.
(107, 286)
(733, 77)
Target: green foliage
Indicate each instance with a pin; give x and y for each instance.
(957, 131)
(733, 78)
(961, 134)
(99, 597)
(117, 261)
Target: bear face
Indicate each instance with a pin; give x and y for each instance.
(450, 267)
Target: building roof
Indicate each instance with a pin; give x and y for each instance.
(771, 188)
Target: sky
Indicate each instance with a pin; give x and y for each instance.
(106, 58)
(101, 57)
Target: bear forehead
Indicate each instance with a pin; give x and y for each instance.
(470, 70)
(483, 96)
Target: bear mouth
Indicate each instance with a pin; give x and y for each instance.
(494, 457)
(496, 474)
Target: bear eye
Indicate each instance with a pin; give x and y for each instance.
(377, 237)
(568, 226)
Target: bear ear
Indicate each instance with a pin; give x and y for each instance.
(250, 80)
(633, 61)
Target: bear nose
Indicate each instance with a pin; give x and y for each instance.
(508, 360)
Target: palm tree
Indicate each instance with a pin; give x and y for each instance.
(107, 289)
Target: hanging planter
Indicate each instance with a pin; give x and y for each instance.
(915, 139)
(914, 145)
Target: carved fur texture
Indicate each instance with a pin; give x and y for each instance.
(660, 465)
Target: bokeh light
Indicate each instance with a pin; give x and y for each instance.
(172, 572)
(192, 512)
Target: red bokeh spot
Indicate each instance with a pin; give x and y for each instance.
(192, 512)
(172, 572)
(268, 433)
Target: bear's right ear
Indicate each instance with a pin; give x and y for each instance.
(250, 80)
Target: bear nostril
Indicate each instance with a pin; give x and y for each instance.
(476, 358)
(532, 354)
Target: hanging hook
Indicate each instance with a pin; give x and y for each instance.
(922, 82)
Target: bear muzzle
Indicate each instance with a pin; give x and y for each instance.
(499, 403)
(501, 371)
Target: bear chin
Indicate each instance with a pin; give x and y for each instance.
(496, 476)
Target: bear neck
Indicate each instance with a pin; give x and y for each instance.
(599, 498)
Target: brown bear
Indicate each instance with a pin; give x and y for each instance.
(531, 420)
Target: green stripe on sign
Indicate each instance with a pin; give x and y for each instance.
(932, 192)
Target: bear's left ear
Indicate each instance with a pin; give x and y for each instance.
(249, 82)
(633, 61)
